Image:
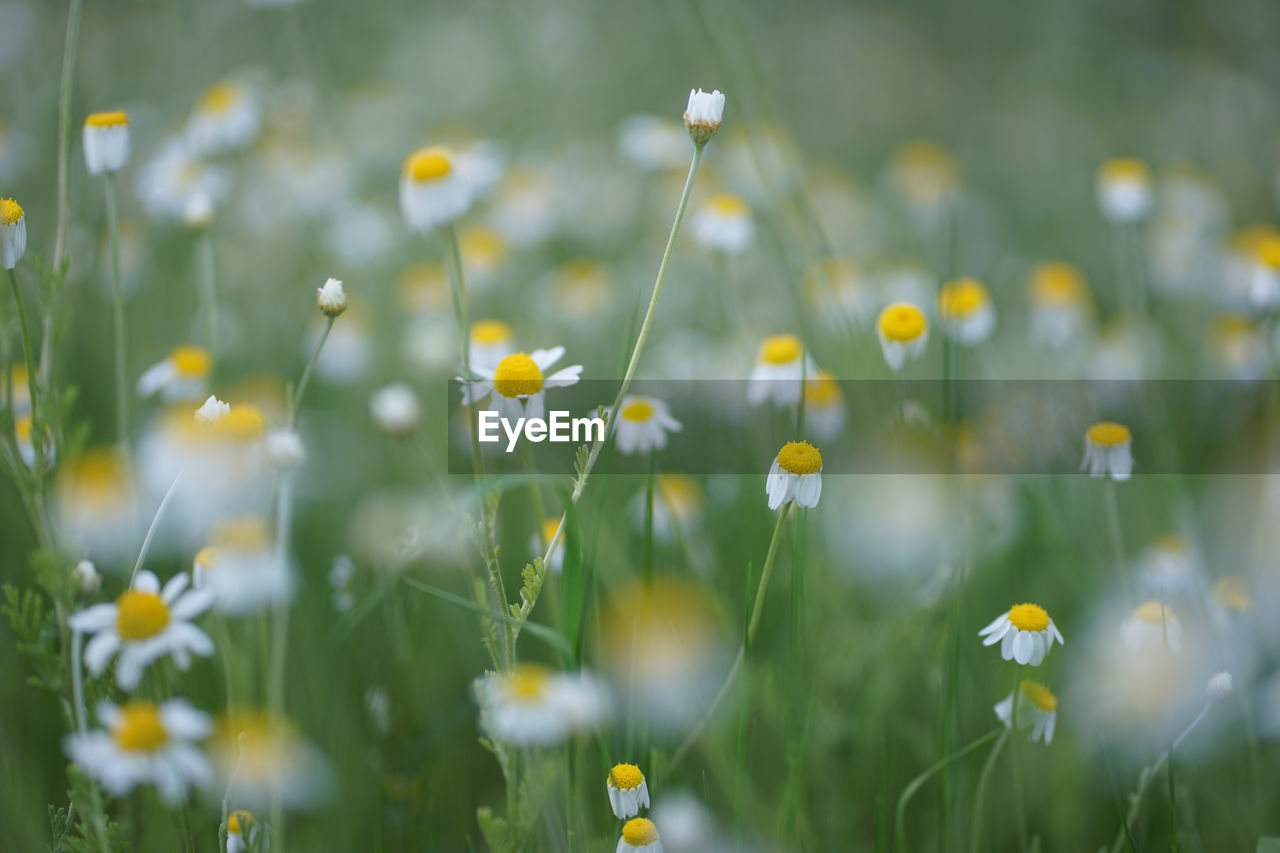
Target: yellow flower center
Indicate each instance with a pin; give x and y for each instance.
(249, 533)
(243, 423)
(626, 776)
(1040, 696)
(10, 211)
(822, 390)
(528, 682)
(1153, 613)
(140, 615)
(22, 429)
(637, 411)
(1267, 250)
(799, 457)
(428, 164)
(238, 821)
(1125, 169)
(1232, 593)
(639, 831)
(489, 332)
(139, 728)
(99, 475)
(1108, 434)
(679, 492)
(1057, 283)
(962, 298)
(110, 119)
(1173, 542)
(1029, 617)
(191, 362)
(517, 375)
(219, 98)
(728, 205)
(781, 349)
(206, 557)
(482, 244)
(549, 528)
(902, 322)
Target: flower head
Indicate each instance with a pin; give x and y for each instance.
(1061, 306)
(1124, 189)
(395, 409)
(703, 115)
(1152, 627)
(639, 834)
(13, 233)
(796, 474)
(1108, 451)
(643, 424)
(628, 791)
(724, 224)
(903, 331)
(331, 299)
(1037, 710)
(241, 568)
(965, 310)
(433, 193)
(1025, 634)
(106, 142)
(516, 387)
(226, 117)
(535, 706)
(182, 375)
(781, 363)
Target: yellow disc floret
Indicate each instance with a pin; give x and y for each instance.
(1124, 169)
(902, 322)
(1232, 592)
(1108, 434)
(781, 349)
(247, 533)
(140, 615)
(116, 118)
(962, 298)
(799, 457)
(549, 528)
(1153, 613)
(191, 362)
(244, 423)
(10, 211)
(729, 205)
(1029, 617)
(429, 164)
(139, 728)
(639, 831)
(489, 332)
(219, 98)
(528, 682)
(625, 776)
(638, 411)
(238, 821)
(822, 390)
(1058, 283)
(517, 375)
(1040, 696)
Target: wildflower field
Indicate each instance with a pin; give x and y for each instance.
(675, 426)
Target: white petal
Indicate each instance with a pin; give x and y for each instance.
(146, 581)
(1006, 645)
(544, 358)
(564, 377)
(97, 654)
(174, 587)
(93, 619)
(997, 635)
(1002, 619)
(154, 378)
(1022, 646)
(192, 604)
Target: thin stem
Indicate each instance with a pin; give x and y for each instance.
(1019, 810)
(900, 822)
(976, 841)
(117, 306)
(155, 524)
(36, 442)
(77, 683)
(462, 316)
(764, 574)
(296, 399)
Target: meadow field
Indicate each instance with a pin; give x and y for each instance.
(683, 426)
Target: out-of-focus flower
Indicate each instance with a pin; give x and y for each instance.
(347, 351)
(903, 332)
(331, 298)
(340, 575)
(1108, 451)
(1237, 346)
(395, 409)
(23, 436)
(841, 293)
(687, 826)
(1061, 306)
(703, 115)
(106, 142)
(1231, 594)
(653, 143)
(1219, 686)
(13, 233)
(226, 117)
(143, 625)
(965, 311)
(1152, 626)
(1124, 189)
(824, 412)
(285, 450)
(528, 205)
(1168, 566)
(174, 179)
(580, 290)
(243, 831)
(145, 744)
(491, 342)
(541, 541)
(259, 757)
(796, 475)
(535, 706)
(96, 505)
(781, 364)
(1025, 633)
(924, 175)
(677, 507)
(183, 375)
(242, 569)
(724, 224)
(1037, 710)
(432, 192)
(516, 388)
(484, 252)
(628, 791)
(86, 578)
(643, 424)
(639, 835)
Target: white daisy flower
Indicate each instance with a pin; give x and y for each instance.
(535, 706)
(1124, 189)
(643, 424)
(1231, 596)
(904, 333)
(106, 142)
(1168, 566)
(260, 758)
(174, 177)
(22, 427)
(395, 409)
(653, 143)
(724, 224)
(183, 375)
(540, 541)
(96, 506)
(1025, 634)
(924, 175)
(824, 411)
(965, 311)
(1219, 685)
(780, 365)
(1037, 710)
(484, 252)
(145, 744)
(491, 342)
(143, 625)
(1237, 346)
(1108, 451)
(331, 298)
(1061, 307)
(796, 475)
(677, 507)
(703, 115)
(285, 450)
(628, 790)
(1152, 626)
(516, 387)
(243, 832)
(433, 192)
(13, 233)
(639, 835)
(226, 117)
(241, 569)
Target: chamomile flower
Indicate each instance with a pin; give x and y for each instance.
(144, 625)
(19, 389)
(432, 191)
(541, 540)
(724, 224)
(824, 411)
(484, 252)
(491, 342)
(534, 706)
(904, 332)
(1237, 347)
(1168, 566)
(96, 505)
(639, 835)
(924, 175)
(1037, 710)
(528, 205)
(183, 375)
(1152, 626)
(643, 424)
(1124, 189)
(1108, 451)
(677, 507)
(13, 233)
(174, 179)
(226, 117)
(1061, 307)
(965, 311)
(842, 294)
(106, 142)
(628, 790)
(1231, 595)
(703, 115)
(259, 757)
(780, 365)
(395, 409)
(22, 429)
(241, 568)
(142, 743)
(796, 475)
(516, 388)
(1025, 634)
(331, 299)
(243, 831)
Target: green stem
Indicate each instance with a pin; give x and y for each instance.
(976, 841)
(117, 312)
(155, 524)
(900, 814)
(296, 399)
(764, 575)
(1019, 809)
(461, 314)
